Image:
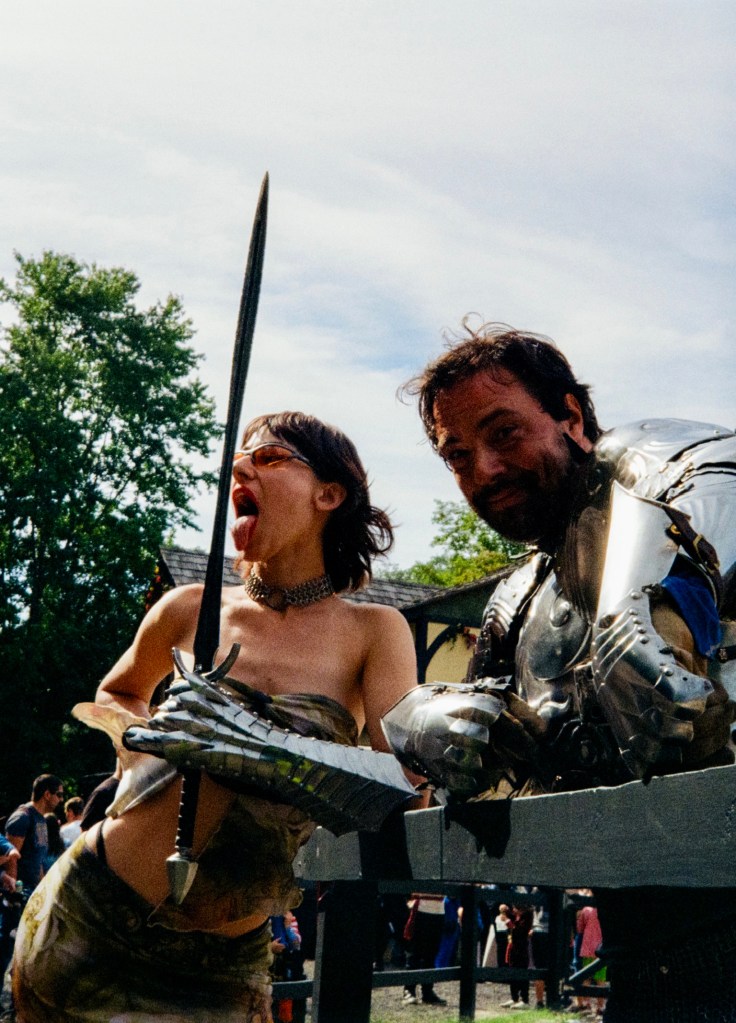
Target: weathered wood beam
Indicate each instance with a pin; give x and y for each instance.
(679, 831)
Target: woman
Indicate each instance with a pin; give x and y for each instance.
(56, 842)
(517, 952)
(588, 927)
(305, 530)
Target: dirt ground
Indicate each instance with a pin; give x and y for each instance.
(387, 1005)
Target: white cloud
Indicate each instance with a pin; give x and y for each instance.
(560, 165)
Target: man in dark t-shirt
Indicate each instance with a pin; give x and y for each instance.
(26, 828)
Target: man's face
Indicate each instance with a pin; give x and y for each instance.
(52, 798)
(508, 455)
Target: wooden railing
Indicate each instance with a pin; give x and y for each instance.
(677, 831)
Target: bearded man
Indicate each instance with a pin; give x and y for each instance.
(601, 659)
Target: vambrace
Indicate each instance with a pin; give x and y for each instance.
(343, 788)
(648, 699)
(462, 736)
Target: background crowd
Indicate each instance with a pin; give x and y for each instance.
(32, 837)
(419, 932)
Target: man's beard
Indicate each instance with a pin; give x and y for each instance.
(541, 516)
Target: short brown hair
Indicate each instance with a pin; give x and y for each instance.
(43, 784)
(534, 359)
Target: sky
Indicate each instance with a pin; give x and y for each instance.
(563, 166)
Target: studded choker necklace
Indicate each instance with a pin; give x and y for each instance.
(279, 598)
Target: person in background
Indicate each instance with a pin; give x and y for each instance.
(27, 830)
(8, 854)
(497, 943)
(539, 946)
(73, 809)
(55, 842)
(423, 934)
(517, 953)
(450, 932)
(288, 964)
(101, 797)
(589, 929)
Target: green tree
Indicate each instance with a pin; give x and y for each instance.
(469, 549)
(99, 411)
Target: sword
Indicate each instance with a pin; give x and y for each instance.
(181, 865)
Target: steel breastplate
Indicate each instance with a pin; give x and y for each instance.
(553, 641)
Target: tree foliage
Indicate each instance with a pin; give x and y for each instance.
(99, 412)
(469, 549)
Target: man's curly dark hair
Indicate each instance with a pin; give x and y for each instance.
(494, 347)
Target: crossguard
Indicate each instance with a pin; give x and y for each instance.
(209, 676)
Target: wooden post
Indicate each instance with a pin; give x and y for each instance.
(559, 948)
(420, 645)
(468, 951)
(346, 941)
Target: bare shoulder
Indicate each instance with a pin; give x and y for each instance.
(177, 607)
(389, 662)
(182, 597)
(374, 618)
(230, 595)
(171, 621)
(385, 636)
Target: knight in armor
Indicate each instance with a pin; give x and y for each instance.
(274, 732)
(605, 656)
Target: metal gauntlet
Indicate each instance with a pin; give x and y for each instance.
(461, 737)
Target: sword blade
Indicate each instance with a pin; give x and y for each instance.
(182, 866)
(207, 637)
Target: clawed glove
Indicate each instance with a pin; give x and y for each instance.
(199, 727)
(460, 736)
(341, 787)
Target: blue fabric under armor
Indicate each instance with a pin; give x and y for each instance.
(694, 599)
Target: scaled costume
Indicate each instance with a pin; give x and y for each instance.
(91, 950)
(594, 664)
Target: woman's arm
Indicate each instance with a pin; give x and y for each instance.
(389, 670)
(170, 623)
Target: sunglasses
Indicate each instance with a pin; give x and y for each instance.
(265, 456)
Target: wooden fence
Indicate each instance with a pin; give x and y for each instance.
(678, 831)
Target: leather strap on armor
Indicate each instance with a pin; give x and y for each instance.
(700, 550)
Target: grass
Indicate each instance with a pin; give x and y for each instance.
(530, 1016)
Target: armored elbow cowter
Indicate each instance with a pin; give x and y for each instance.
(651, 702)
